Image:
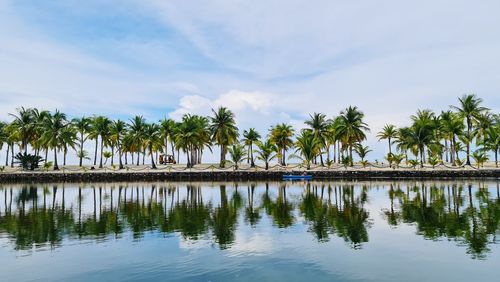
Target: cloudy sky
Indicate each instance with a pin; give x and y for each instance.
(269, 61)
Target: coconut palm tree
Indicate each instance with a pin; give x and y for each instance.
(3, 135)
(281, 136)
(83, 127)
(136, 129)
(362, 151)
(237, 155)
(249, 138)
(388, 132)
(307, 146)
(479, 157)
(67, 140)
(491, 140)
(318, 123)
(223, 130)
(470, 108)
(53, 129)
(118, 130)
(101, 128)
(25, 125)
(167, 130)
(152, 139)
(352, 128)
(266, 152)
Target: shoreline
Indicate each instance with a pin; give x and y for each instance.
(245, 175)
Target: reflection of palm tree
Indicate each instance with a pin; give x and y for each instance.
(224, 218)
(252, 214)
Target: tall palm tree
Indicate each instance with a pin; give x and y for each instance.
(137, 126)
(266, 152)
(53, 129)
(167, 129)
(318, 123)
(25, 125)
(118, 130)
(83, 127)
(3, 135)
(250, 137)
(388, 132)
(67, 140)
(491, 140)
(281, 135)
(452, 126)
(470, 108)
(351, 129)
(224, 131)
(101, 128)
(152, 138)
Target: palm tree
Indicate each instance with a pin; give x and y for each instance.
(250, 137)
(479, 157)
(223, 130)
(281, 136)
(491, 140)
(167, 130)
(67, 140)
(237, 155)
(388, 132)
(362, 151)
(25, 125)
(351, 129)
(83, 126)
(470, 108)
(102, 129)
(53, 129)
(3, 135)
(118, 130)
(152, 139)
(266, 152)
(319, 126)
(137, 126)
(308, 147)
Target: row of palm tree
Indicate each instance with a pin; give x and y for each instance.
(431, 138)
(438, 138)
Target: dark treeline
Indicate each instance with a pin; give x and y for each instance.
(434, 138)
(45, 216)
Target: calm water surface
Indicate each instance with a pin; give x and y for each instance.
(294, 231)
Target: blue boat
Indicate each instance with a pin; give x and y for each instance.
(297, 177)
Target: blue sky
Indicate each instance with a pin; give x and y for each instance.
(269, 61)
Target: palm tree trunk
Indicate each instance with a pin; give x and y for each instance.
(102, 147)
(222, 156)
(390, 149)
(153, 165)
(7, 155)
(252, 162)
(81, 149)
(95, 152)
(138, 157)
(12, 155)
(120, 156)
(283, 156)
(56, 166)
(64, 159)
(468, 141)
(112, 155)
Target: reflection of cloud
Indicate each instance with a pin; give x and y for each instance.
(252, 243)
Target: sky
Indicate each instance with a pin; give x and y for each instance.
(268, 61)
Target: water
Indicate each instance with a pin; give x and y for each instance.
(295, 231)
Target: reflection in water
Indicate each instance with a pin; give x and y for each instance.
(46, 215)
